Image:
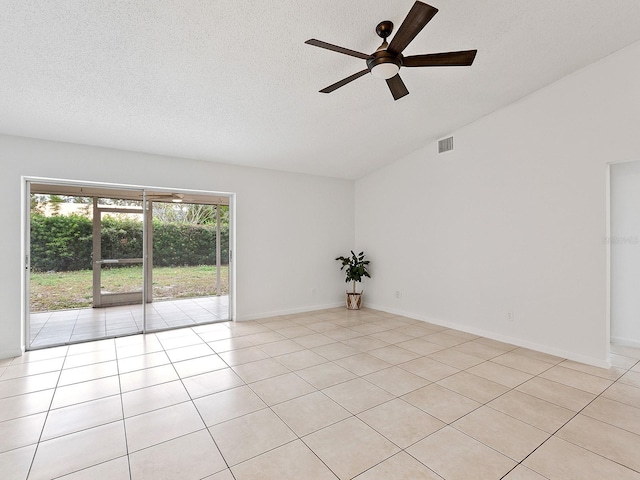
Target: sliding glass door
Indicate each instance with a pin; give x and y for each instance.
(189, 260)
(110, 261)
(85, 263)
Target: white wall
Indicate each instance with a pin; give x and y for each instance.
(512, 220)
(290, 227)
(625, 253)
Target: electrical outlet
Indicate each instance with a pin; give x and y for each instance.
(510, 316)
(398, 294)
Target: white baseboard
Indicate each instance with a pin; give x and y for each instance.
(11, 353)
(288, 311)
(597, 362)
(625, 342)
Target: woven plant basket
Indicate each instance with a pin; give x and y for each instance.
(354, 300)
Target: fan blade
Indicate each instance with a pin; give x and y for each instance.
(344, 81)
(397, 87)
(449, 59)
(419, 15)
(335, 48)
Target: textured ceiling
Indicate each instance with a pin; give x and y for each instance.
(232, 80)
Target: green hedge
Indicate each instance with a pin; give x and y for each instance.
(60, 243)
(121, 238)
(176, 244)
(64, 243)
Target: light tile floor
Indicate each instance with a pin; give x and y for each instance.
(323, 395)
(70, 326)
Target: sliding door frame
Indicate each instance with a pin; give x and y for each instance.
(27, 181)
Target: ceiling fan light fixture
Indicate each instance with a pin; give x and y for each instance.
(385, 70)
(386, 61)
(384, 64)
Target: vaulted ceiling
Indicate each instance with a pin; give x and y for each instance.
(232, 80)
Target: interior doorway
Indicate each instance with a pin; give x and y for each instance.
(623, 243)
(106, 261)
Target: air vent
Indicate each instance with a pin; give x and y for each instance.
(445, 145)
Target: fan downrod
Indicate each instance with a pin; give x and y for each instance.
(384, 29)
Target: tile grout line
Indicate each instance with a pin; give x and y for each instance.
(274, 357)
(55, 389)
(450, 424)
(513, 388)
(552, 435)
(192, 400)
(124, 425)
(353, 415)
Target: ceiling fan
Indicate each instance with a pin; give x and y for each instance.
(386, 61)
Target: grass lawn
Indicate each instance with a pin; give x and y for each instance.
(65, 290)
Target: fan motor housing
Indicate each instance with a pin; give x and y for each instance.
(383, 56)
(384, 29)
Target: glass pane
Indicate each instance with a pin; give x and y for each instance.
(125, 203)
(60, 239)
(62, 307)
(185, 273)
(121, 252)
(121, 234)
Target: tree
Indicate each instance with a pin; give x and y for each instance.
(54, 202)
(189, 213)
(38, 202)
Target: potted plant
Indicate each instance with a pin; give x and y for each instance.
(355, 268)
